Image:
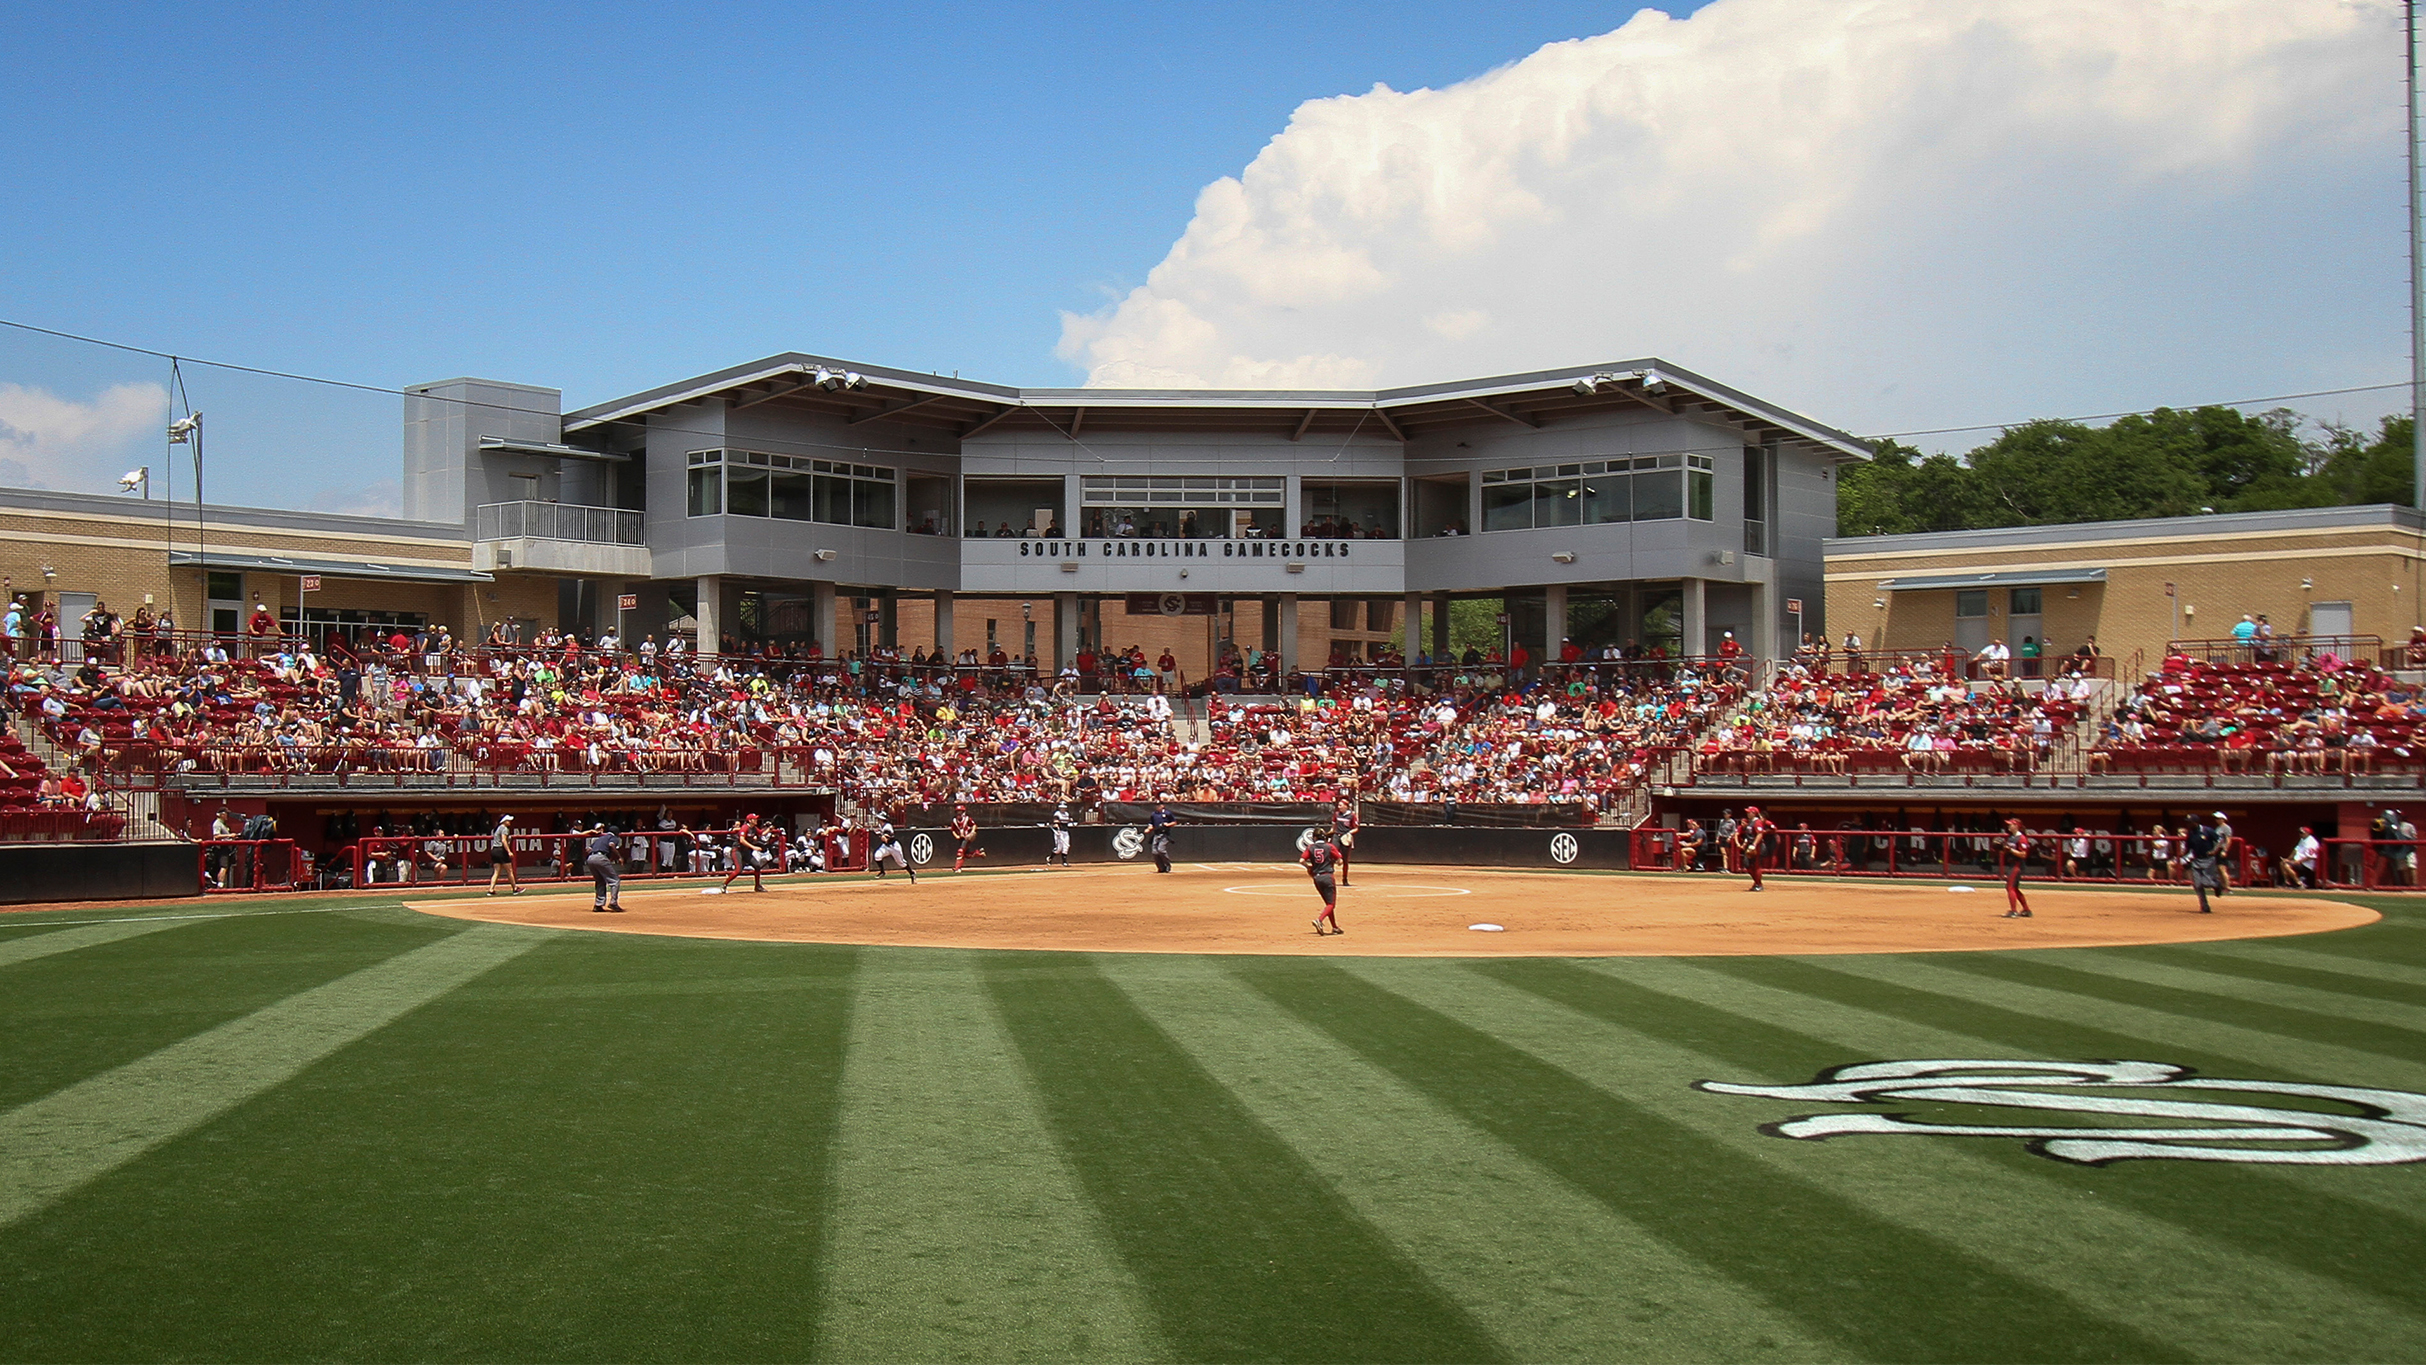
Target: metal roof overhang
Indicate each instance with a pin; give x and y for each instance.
(331, 568)
(2011, 578)
(551, 451)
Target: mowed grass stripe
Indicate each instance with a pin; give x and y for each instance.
(957, 1231)
(2326, 970)
(2390, 1019)
(1878, 1285)
(71, 1016)
(1552, 1272)
(2281, 1020)
(54, 1144)
(2303, 1236)
(2110, 1265)
(2214, 1045)
(1242, 1251)
(30, 947)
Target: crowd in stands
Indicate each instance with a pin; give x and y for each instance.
(2264, 716)
(1914, 717)
(883, 730)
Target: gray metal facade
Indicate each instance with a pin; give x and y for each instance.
(942, 440)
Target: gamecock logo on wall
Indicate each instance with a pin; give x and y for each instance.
(1127, 842)
(1563, 849)
(2194, 1118)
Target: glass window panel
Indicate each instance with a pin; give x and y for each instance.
(872, 504)
(1659, 495)
(707, 497)
(745, 493)
(1605, 498)
(790, 497)
(1697, 494)
(1571, 469)
(2026, 601)
(1971, 602)
(1558, 503)
(833, 500)
(1507, 508)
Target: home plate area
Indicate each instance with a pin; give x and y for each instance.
(1400, 910)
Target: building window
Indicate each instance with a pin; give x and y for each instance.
(1348, 509)
(2025, 602)
(1186, 506)
(1757, 464)
(749, 483)
(1971, 602)
(1594, 492)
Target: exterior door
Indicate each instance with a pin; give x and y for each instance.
(72, 607)
(2329, 618)
(1971, 620)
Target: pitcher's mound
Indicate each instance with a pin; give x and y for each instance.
(1401, 911)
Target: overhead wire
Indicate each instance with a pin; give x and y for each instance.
(174, 359)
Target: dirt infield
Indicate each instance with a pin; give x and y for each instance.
(1401, 911)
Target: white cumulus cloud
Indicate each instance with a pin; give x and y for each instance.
(1879, 210)
(47, 441)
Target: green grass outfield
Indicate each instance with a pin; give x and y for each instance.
(341, 1130)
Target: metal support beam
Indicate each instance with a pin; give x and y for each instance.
(1390, 426)
(1078, 418)
(894, 411)
(774, 391)
(985, 422)
(1500, 412)
(1302, 423)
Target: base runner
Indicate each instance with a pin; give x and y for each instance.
(1321, 860)
(888, 849)
(964, 831)
(1060, 825)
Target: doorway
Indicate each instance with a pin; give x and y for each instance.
(2324, 618)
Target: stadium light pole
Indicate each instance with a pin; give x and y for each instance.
(2417, 270)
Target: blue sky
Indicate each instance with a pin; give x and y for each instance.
(608, 197)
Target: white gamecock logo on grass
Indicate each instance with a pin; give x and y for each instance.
(2195, 1118)
(1563, 848)
(1127, 842)
(922, 848)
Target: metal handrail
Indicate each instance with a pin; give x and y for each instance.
(526, 519)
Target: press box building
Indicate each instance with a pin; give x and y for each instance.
(803, 498)
(1615, 502)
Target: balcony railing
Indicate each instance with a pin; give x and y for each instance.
(558, 521)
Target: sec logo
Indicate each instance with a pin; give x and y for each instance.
(1564, 849)
(922, 848)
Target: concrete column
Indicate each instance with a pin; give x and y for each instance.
(1554, 621)
(1288, 632)
(1763, 644)
(604, 593)
(1269, 610)
(710, 614)
(888, 619)
(943, 623)
(821, 620)
(1696, 629)
(1065, 631)
(1440, 624)
(1412, 629)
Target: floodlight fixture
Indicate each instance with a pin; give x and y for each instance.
(182, 430)
(133, 479)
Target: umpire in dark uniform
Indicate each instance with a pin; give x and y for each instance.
(1158, 836)
(606, 872)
